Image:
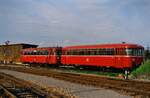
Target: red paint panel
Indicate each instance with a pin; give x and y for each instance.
(89, 60)
(103, 61)
(40, 59)
(27, 59)
(52, 59)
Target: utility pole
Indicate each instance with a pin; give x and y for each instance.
(6, 50)
(147, 52)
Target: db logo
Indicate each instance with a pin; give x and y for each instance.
(87, 59)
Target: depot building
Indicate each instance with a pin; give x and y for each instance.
(10, 54)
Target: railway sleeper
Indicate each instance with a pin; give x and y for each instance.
(4, 93)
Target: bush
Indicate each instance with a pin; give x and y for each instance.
(144, 69)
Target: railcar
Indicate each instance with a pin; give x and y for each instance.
(47, 55)
(118, 56)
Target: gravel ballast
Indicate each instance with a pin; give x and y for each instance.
(76, 89)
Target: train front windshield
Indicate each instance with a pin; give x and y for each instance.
(135, 51)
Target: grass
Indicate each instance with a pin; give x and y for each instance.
(94, 72)
(144, 69)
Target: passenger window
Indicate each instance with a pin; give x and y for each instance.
(25, 53)
(50, 52)
(34, 52)
(38, 52)
(93, 52)
(28, 53)
(45, 52)
(100, 52)
(87, 52)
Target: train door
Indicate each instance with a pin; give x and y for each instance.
(63, 56)
(118, 58)
(49, 57)
(58, 55)
(46, 56)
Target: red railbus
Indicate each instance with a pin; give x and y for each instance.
(120, 56)
(48, 55)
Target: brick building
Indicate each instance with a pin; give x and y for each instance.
(11, 53)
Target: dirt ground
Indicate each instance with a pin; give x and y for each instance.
(78, 90)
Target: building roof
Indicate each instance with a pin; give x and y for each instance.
(24, 44)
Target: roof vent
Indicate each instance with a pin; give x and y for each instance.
(123, 42)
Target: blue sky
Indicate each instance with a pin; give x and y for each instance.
(73, 22)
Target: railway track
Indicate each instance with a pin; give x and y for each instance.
(129, 87)
(8, 90)
(11, 87)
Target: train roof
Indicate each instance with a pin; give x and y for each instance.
(105, 46)
(40, 48)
